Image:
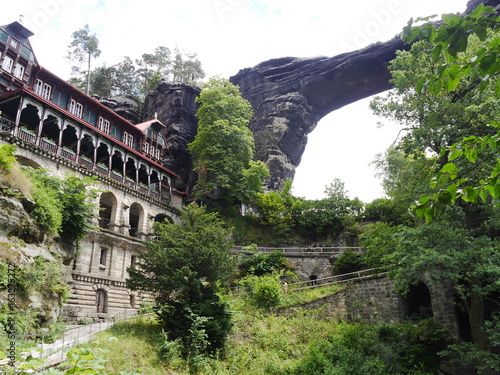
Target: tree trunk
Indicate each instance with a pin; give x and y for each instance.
(476, 322)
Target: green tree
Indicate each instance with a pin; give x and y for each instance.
(444, 250)
(186, 67)
(475, 153)
(223, 147)
(184, 266)
(318, 219)
(83, 48)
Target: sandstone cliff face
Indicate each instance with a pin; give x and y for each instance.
(125, 106)
(291, 95)
(176, 108)
(21, 242)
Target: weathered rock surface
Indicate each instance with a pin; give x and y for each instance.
(125, 106)
(290, 95)
(21, 242)
(15, 220)
(176, 108)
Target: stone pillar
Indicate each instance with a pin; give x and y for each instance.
(443, 307)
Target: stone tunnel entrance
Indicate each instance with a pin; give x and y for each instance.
(417, 303)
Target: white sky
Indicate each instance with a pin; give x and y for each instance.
(229, 35)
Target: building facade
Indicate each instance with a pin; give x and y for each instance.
(56, 126)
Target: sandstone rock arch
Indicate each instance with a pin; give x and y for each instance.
(290, 95)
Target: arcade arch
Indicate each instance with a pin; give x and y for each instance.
(107, 210)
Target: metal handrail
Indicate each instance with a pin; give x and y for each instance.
(52, 349)
(297, 250)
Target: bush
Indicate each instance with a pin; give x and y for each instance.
(259, 264)
(381, 349)
(7, 158)
(348, 262)
(264, 291)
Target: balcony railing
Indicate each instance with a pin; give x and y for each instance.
(29, 136)
(6, 125)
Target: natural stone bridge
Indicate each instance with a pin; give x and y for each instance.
(290, 95)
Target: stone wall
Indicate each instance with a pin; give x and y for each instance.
(370, 300)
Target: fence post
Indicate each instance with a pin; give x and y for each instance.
(62, 348)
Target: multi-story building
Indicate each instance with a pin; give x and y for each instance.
(58, 127)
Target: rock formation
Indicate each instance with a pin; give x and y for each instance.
(176, 108)
(289, 96)
(125, 106)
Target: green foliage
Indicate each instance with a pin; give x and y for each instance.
(223, 147)
(83, 48)
(477, 73)
(377, 350)
(319, 219)
(259, 264)
(349, 261)
(79, 207)
(183, 266)
(64, 207)
(45, 277)
(7, 158)
(378, 241)
(265, 291)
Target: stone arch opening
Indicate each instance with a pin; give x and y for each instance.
(117, 164)
(101, 301)
(50, 129)
(27, 162)
(107, 209)
(30, 117)
(160, 218)
(130, 170)
(154, 180)
(102, 156)
(136, 219)
(87, 147)
(143, 175)
(69, 138)
(418, 303)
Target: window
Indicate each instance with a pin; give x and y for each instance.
(46, 91)
(7, 64)
(157, 153)
(19, 71)
(152, 150)
(14, 43)
(75, 108)
(38, 87)
(103, 257)
(146, 148)
(133, 260)
(104, 125)
(128, 139)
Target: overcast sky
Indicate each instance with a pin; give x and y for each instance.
(229, 35)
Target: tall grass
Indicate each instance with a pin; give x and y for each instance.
(260, 343)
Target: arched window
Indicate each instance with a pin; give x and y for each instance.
(107, 209)
(135, 219)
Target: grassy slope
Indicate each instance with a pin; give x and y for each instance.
(260, 343)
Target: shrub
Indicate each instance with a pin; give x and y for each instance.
(7, 158)
(349, 261)
(381, 349)
(260, 264)
(264, 291)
